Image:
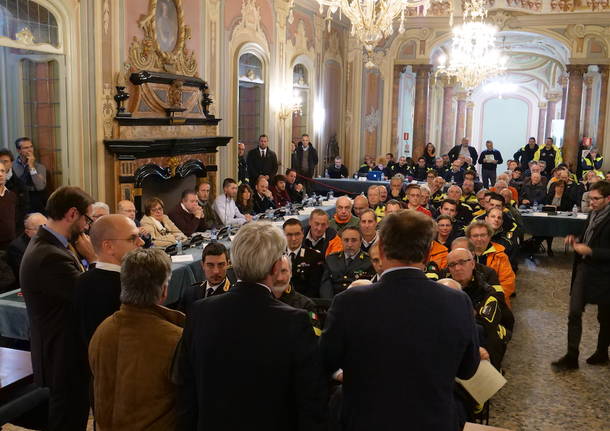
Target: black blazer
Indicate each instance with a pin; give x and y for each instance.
(597, 266)
(259, 166)
(98, 295)
(261, 205)
(48, 281)
(15, 251)
(454, 153)
(196, 291)
(399, 368)
(312, 159)
(247, 350)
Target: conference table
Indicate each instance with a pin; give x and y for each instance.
(186, 270)
(341, 186)
(553, 225)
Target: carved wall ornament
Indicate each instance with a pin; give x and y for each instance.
(25, 36)
(161, 49)
(251, 16)
(500, 18)
(174, 94)
(106, 16)
(372, 120)
(107, 110)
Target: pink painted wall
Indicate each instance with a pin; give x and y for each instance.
(232, 10)
(134, 9)
(307, 24)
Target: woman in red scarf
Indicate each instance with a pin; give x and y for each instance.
(279, 192)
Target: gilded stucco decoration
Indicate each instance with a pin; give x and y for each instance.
(161, 49)
(108, 110)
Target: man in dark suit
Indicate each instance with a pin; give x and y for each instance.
(245, 348)
(16, 249)
(48, 274)
(400, 370)
(262, 196)
(98, 291)
(343, 268)
(215, 263)
(306, 158)
(261, 160)
(242, 165)
(307, 263)
(590, 276)
(295, 190)
(14, 184)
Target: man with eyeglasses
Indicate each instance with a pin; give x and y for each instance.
(492, 314)
(48, 275)
(590, 275)
(98, 290)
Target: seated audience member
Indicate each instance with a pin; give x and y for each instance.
(8, 211)
(559, 196)
(534, 191)
(534, 168)
(439, 166)
(430, 177)
(444, 230)
(367, 166)
(495, 219)
(343, 215)
(402, 168)
(396, 187)
(373, 194)
(608, 176)
(307, 263)
(425, 200)
(414, 199)
(505, 178)
(318, 233)
(342, 268)
(469, 196)
(392, 206)
(368, 229)
(492, 255)
(31, 173)
(491, 312)
(216, 372)
(387, 386)
(161, 229)
(455, 175)
(225, 205)
(464, 211)
(438, 192)
(420, 171)
(509, 226)
(591, 178)
(262, 197)
(284, 291)
(437, 259)
(383, 194)
(511, 206)
(591, 162)
(376, 262)
(295, 190)
(516, 180)
(14, 184)
(278, 191)
(132, 351)
(128, 209)
(449, 208)
(338, 169)
(210, 218)
(187, 215)
(483, 201)
(17, 247)
(97, 293)
(361, 203)
(100, 209)
(488, 274)
(245, 199)
(215, 265)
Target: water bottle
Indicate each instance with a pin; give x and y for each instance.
(575, 210)
(214, 234)
(326, 173)
(179, 248)
(535, 206)
(331, 195)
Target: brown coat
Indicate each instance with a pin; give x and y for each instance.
(130, 355)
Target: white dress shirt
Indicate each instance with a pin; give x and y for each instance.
(227, 211)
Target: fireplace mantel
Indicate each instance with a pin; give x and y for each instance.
(131, 149)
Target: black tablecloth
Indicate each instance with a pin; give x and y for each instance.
(559, 225)
(340, 186)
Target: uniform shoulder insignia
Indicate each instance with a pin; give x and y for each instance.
(498, 288)
(488, 311)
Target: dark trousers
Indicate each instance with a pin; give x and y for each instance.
(577, 307)
(69, 403)
(489, 177)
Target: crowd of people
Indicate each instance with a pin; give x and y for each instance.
(258, 331)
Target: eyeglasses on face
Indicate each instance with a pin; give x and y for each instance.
(596, 198)
(132, 239)
(458, 262)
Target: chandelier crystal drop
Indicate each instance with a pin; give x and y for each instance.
(474, 57)
(371, 20)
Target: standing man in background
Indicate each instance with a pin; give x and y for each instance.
(261, 160)
(489, 161)
(465, 149)
(526, 154)
(242, 165)
(31, 173)
(307, 160)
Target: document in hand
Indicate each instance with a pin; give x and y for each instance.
(485, 383)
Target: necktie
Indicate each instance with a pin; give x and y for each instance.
(209, 292)
(292, 257)
(349, 261)
(263, 153)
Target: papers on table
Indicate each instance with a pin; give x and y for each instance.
(485, 383)
(582, 216)
(540, 214)
(182, 258)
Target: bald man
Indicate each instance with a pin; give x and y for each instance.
(128, 209)
(98, 290)
(343, 215)
(16, 249)
(361, 203)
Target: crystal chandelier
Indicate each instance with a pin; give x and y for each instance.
(474, 56)
(371, 20)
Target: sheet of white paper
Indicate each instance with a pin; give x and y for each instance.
(582, 216)
(540, 214)
(182, 258)
(485, 383)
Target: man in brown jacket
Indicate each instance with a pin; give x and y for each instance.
(131, 352)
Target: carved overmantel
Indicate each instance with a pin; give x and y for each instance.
(163, 125)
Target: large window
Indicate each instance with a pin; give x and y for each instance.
(251, 100)
(300, 88)
(17, 15)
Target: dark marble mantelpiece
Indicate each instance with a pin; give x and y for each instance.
(130, 149)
